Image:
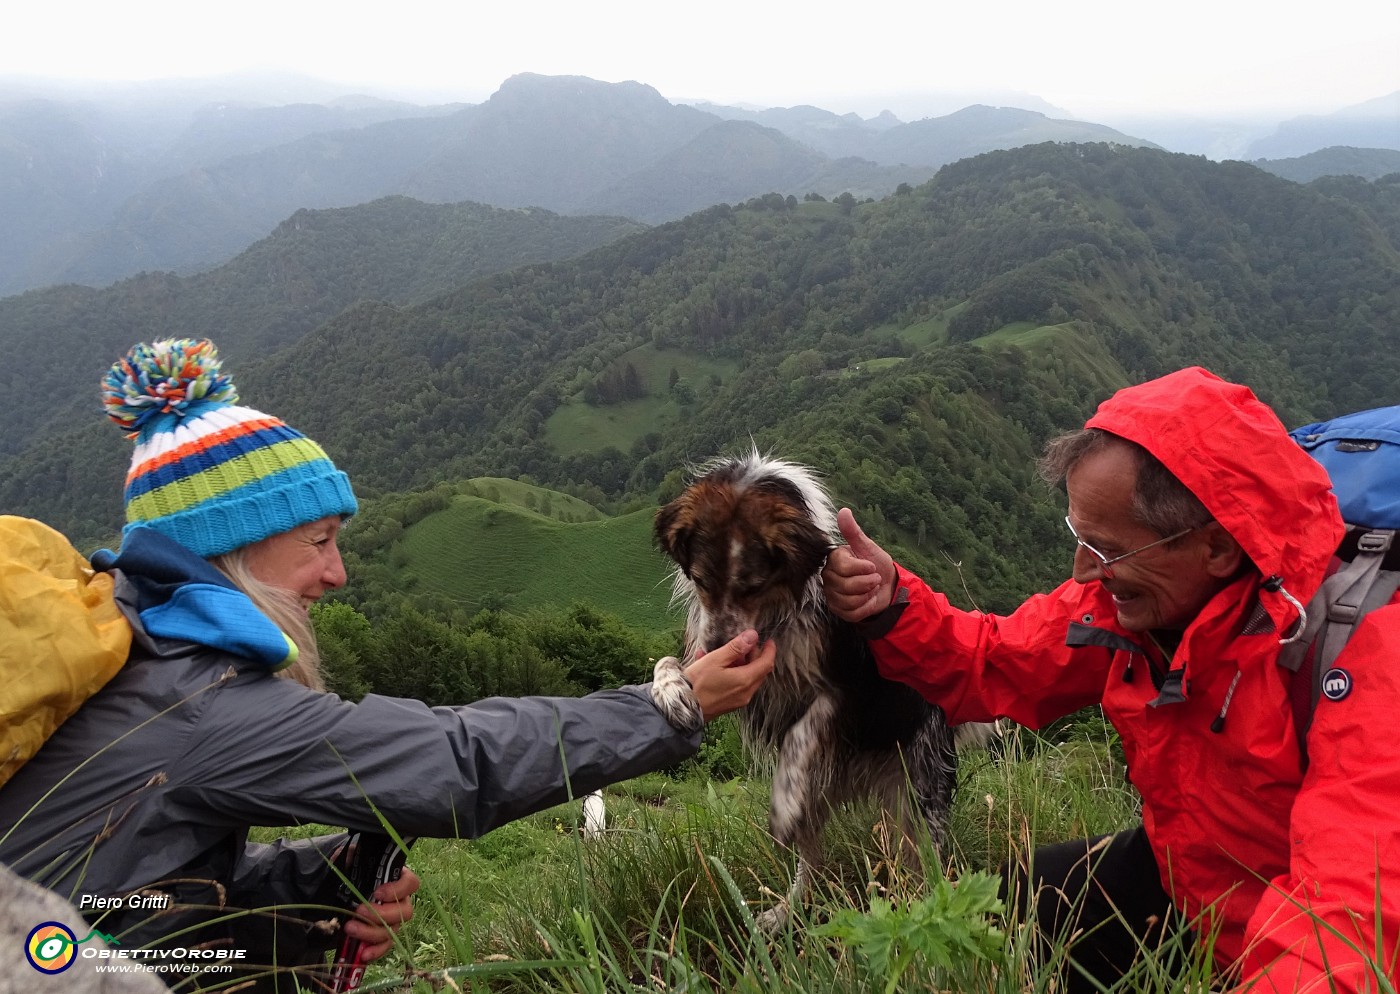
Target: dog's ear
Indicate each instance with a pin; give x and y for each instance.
(673, 532)
(784, 489)
(807, 545)
(794, 546)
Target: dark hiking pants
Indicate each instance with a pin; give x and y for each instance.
(1107, 894)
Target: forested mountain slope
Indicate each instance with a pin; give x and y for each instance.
(918, 350)
(314, 265)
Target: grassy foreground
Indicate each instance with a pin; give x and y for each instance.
(666, 899)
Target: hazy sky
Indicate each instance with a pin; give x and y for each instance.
(1090, 57)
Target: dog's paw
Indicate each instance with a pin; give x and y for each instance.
(774, 920)
(674, 697)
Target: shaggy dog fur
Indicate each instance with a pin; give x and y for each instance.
(749, 537)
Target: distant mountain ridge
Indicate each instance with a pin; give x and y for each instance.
(1339, 160)
(553, 141)
(929, 142)
(567, 144)
(836, 135)
(977, 129)
(729, 162)
(222, 131)
(1372, 124)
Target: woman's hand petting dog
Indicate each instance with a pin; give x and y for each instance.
(718, 682)
(725, 679)
(859, 577)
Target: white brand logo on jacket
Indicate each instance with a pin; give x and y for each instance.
(1336, 684)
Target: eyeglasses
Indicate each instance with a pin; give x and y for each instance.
(1106, 564)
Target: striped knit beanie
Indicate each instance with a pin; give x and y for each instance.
(207, 473)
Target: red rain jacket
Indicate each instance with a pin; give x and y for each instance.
(1285, 864)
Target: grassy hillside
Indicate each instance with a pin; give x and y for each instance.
(578, 427)
(479, 553)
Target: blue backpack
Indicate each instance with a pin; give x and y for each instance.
(1361, 453)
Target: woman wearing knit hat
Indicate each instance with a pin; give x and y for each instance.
(137, 808)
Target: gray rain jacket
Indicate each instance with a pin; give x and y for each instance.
(152, 785)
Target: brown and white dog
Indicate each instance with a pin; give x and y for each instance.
(749, 537)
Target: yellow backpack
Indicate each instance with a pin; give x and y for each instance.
(62, 636)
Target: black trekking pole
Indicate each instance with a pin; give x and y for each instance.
(373, 859)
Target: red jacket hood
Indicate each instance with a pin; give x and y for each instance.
(1232, 452)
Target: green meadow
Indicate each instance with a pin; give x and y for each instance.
(577, 427)
(667, 898)
(483, 553)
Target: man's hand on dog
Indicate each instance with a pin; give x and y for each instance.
(725, 679)
(859, 577)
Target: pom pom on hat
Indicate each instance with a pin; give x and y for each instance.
(170, 377)
(207, 473)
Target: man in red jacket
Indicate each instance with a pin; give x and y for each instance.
(1200, 528)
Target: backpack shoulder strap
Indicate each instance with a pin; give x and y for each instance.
(1358, 588)
(1345, 597)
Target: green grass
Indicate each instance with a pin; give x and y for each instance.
(1069, 343)
(1024, 333)
(529, 497)
(478, 553)
(926, 333)
(654, 366)
(665, 900)
(576, 427)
